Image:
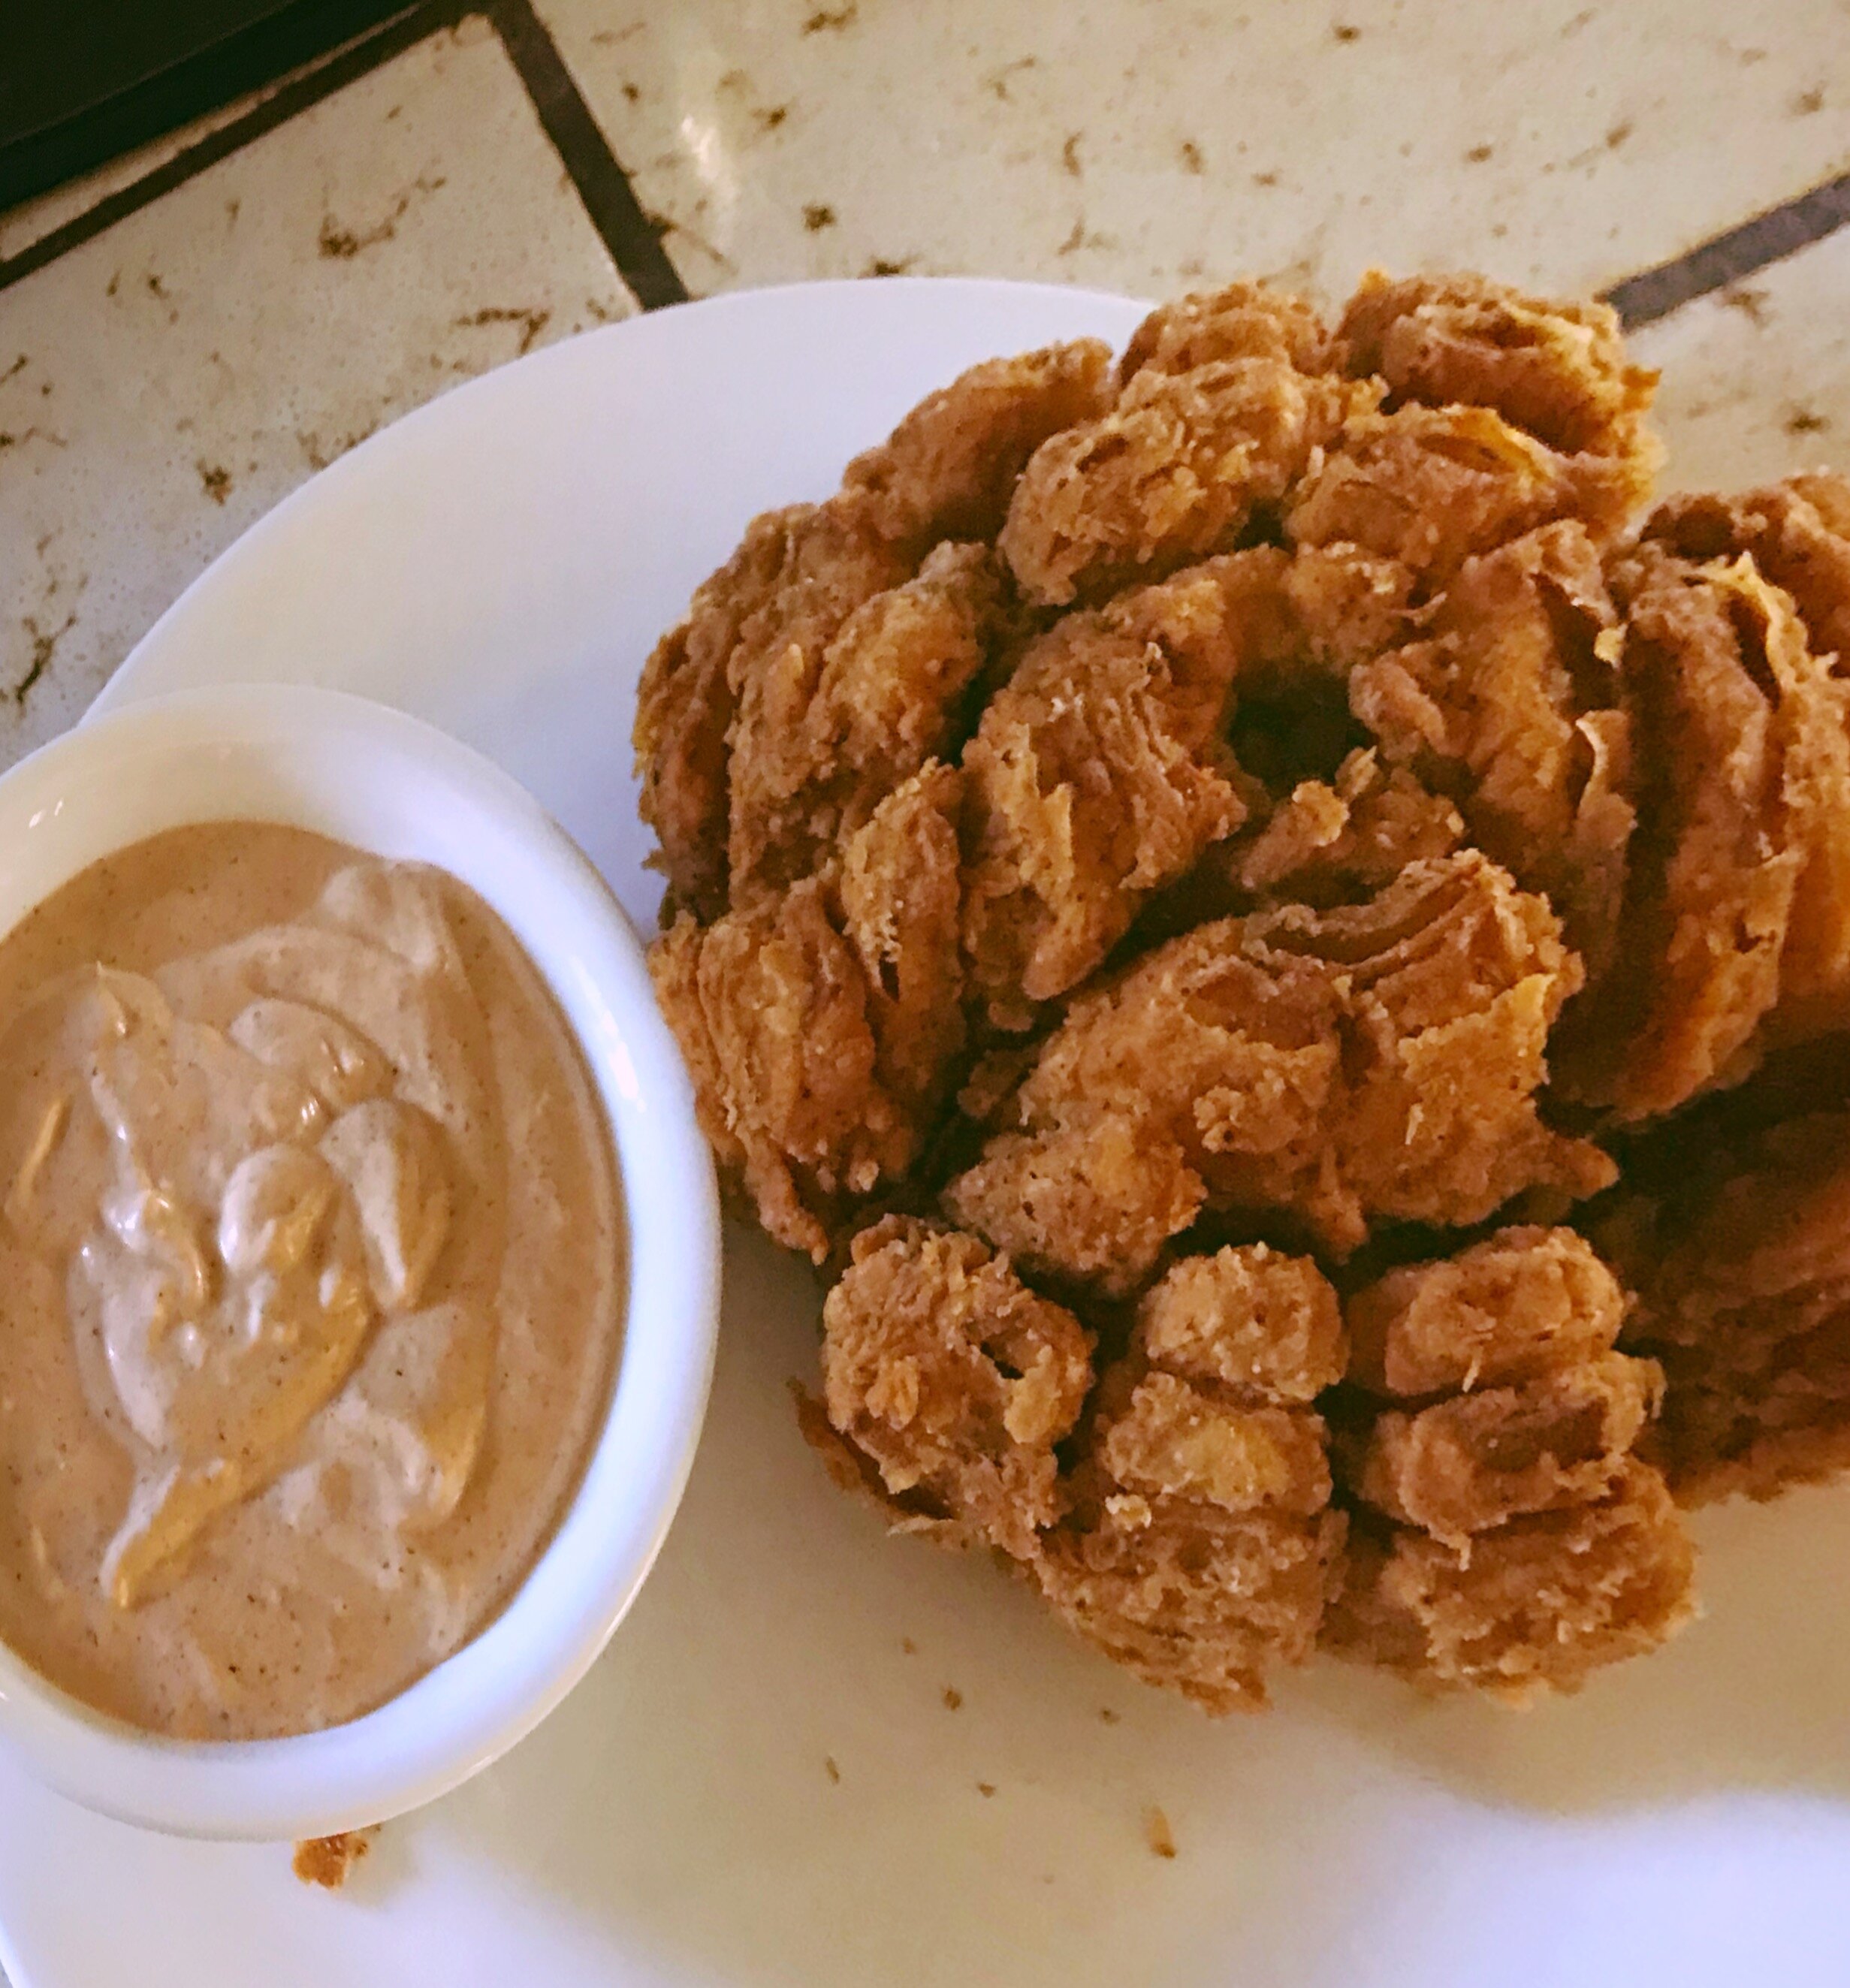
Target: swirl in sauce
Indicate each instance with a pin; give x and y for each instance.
(312, 1279)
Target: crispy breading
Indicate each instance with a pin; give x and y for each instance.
(1428, 487)
(1798, 536)
(1513, 1537)
(1743, 1272)
(1240, 321)
(1106, 1153)
(1098, 773)
(1102, 772)
(1174, 1437)
(1200, 1601)
(1460, 1466)
(1827, 491)
(1174, 472)
(1814, 715)
(902, 902)
(683, 711)
(1525, 1302)
(1378, 1059)
(1739, 893)
(1449, 980)
(723, 684)
(819, 1022)
(1798, 533)
(1200, 1548)
(716, 685)
(1343, 605)
(1328, 824)
(1558, 370)
(1094, 1194)
(769, 1007)
(1330, 842)
(823, 735)
(954, 1381)
(1504, 412)
(1538, 1604)
(846, 609)
(1510, 706)
(949, 470)
(1251, 1319)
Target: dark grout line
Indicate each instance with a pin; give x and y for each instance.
(1768, 238)
(634, 240)
(392, 37)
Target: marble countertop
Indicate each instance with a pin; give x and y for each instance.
(186, 335)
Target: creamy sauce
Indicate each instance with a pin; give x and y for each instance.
(310, 1279)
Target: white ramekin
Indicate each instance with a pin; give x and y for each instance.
(321, 760)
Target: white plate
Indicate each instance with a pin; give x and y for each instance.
(500, 562)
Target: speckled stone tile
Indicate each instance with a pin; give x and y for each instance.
(31, 220)
(1756, 379)
(1147, 145)
(164, 384)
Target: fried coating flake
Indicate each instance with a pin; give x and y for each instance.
(819, 1023)
(943, 1372)
(1251, 1319)
(329, 1861)
(1378, 1059)
(1098, 773)
(1241, 321)
(1460, 1466)
(1503, 412)
(1510, 706)
(949, 470)
(1743, 1272)
(823, 735)
(1516, 1402)
(1557, 370)
(1428, 487)
(1331, 842)
(1798, 534)
(797, 575)
(1194, 445)
(1201, 1549)
(1526, 1302)
(1739, 892)
(1537, 1605)
(1514, 1539)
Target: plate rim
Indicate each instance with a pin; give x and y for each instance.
(326, 488)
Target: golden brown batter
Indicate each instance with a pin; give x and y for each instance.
(309, 1279)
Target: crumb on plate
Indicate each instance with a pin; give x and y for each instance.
(327, 1860)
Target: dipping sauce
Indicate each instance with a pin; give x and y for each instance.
(310, 1279)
